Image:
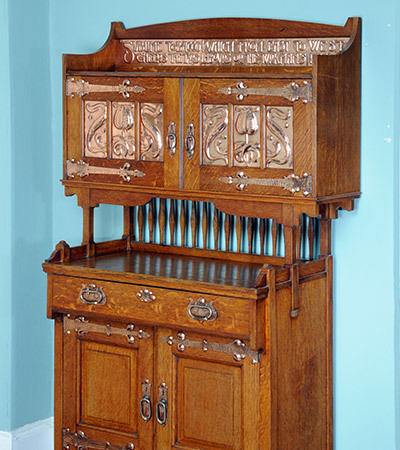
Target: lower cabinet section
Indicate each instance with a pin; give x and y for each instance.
(125, 383)
(126, 386)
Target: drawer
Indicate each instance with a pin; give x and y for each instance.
(152, 305)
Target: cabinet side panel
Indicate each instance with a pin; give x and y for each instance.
(58, 382)
(303, 382)
(338, 121)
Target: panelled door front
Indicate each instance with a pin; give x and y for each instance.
(116, 128)
(205, 397)
(251, 135)
(107, 371)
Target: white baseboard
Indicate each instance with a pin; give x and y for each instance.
(34, 436)
(5, 440)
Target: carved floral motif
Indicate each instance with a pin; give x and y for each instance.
(95, 114)
(247, 124)
(215, 139)
(123, 130)
(151, 131)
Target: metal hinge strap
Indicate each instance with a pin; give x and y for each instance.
(292, 91)
(82, 169)
(238, 349)
(80, 441)
(82, 87)
(292, 183)
(82, 326)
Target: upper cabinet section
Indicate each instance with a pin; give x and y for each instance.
(253, 109)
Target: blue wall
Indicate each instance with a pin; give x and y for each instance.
(32, 210)
(365, 246)
(26, 223)
(5, 223)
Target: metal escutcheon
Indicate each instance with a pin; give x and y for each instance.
(171, 138)
(92, 295)
(201, 310)
(190, 141)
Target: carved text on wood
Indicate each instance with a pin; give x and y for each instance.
(232, 52)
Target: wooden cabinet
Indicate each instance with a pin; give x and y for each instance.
(230, 144)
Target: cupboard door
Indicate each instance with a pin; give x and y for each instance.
(116, 128)
(252, 135)
(212, 399)
(107, 371)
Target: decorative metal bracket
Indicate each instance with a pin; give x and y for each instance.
(292, 91)
(82, 169)
(82, 326)
(201, 310)
(146, 296)
(92, 295)
(238, 349)
(82, 87)
(80, 441)
(292, 183)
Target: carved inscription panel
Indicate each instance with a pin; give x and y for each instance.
(232, 52)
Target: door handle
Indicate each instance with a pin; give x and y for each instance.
(171, 138)
(145, 401)
(162, 405)
(190, 141)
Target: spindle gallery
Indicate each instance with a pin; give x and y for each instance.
(208, 324)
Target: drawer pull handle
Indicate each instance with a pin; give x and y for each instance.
(201, 310)
(145, 402)
(146, 296)
(92, 295)
(162, 405)
(190, 141)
